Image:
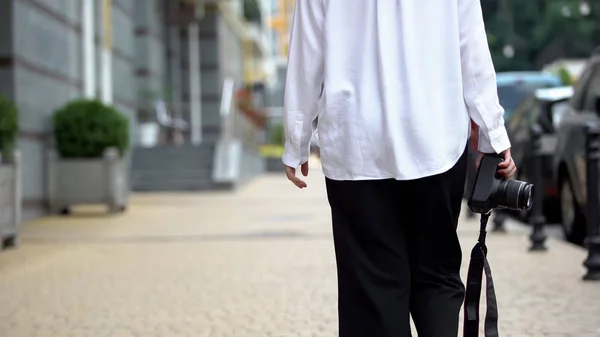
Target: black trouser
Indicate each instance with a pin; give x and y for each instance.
(471, 175)
(398, 254)
(471, 172)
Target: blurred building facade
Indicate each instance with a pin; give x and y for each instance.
(279, 21)
(129, 53)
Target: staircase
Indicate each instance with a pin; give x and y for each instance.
(173, 168)
(225, 164)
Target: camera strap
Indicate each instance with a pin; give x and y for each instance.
(477, 266)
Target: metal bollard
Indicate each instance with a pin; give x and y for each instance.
(499, 219)
(592, 263)
(537, 220)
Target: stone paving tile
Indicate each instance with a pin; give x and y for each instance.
(257, 263)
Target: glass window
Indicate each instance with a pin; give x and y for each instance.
(534, 112)
(512, 95)
(518, 116)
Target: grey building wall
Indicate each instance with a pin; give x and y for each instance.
(41, 69)
(185, 73)
(220, 57)
(123, 59)
(173, 61)
(230, 52)
(150, 48)
(123, 56)
(211, 78)
(46, 73)
(275, 95)
(6, 42)
(162, 61)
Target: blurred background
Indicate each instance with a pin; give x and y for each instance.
(187, 75)
(168, 113)
(199, 79)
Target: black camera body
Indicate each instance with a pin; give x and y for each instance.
(491, 190)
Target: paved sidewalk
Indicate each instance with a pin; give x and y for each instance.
(256, 263)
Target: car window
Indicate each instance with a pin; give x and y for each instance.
(581, 88)
(512, 95)
(592, 91)
(520, 113)
(534, 114)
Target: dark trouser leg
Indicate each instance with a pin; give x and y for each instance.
(471, 171)
(437, 291)
(372, 259)
(471, 175)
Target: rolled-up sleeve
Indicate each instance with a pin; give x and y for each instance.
(303, 80)
(479, 79)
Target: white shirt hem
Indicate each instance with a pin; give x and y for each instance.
(422, 174)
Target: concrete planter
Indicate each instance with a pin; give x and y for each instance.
(274, 164)
(88, 181)
(234, 164)
(10, 202)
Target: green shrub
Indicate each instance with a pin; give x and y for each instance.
(9, 126)
(277, 136)
(85, 128)
(565, 76)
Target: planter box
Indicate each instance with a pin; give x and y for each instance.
(272, 154)
(10, 202)
(274, 164)
(87, 181)
(235, 164)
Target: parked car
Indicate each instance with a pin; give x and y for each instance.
(543, 107)
(569, 159)
(515, 86)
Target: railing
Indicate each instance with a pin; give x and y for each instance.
(224, 163)
(240, 139)
(227, 158)
(227, 116)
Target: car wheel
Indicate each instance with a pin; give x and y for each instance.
(572, 221)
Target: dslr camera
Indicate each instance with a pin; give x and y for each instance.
(491, 190)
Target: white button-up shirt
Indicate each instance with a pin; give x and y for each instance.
(402, 79)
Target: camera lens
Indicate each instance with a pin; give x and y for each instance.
(514, 194)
